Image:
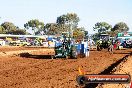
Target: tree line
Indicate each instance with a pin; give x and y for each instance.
(105, 28)
(10, 28)
(64, 23)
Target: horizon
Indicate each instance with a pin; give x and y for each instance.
(89, 11)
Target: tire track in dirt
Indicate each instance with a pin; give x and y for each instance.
(123, 68)
(44, 73)
(21, 70)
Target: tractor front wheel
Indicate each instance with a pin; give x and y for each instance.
(98, 48)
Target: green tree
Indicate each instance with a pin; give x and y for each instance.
(86, 35)
(8, 26)
(2, 30)
(102, 27)
(79, 34)
(67, 23)
(120, 27)
(35, 25)
(69, 18)
(51, 29)
(18, 32)
(112, 33)
(62, 19)
(63, 28)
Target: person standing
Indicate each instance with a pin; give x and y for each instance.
(86, 48)
(110, 48)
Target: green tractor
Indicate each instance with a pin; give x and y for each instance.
(103, 42)
(66, 49)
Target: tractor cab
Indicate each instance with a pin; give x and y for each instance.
(65, 48)
(103, 42)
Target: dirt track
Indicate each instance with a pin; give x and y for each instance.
(18, 72)
(122, 68)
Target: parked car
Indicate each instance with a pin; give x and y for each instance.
(19, 43)
(23, 43)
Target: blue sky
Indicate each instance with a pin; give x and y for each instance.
(89, 11)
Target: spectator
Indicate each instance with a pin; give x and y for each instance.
(110, 48)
